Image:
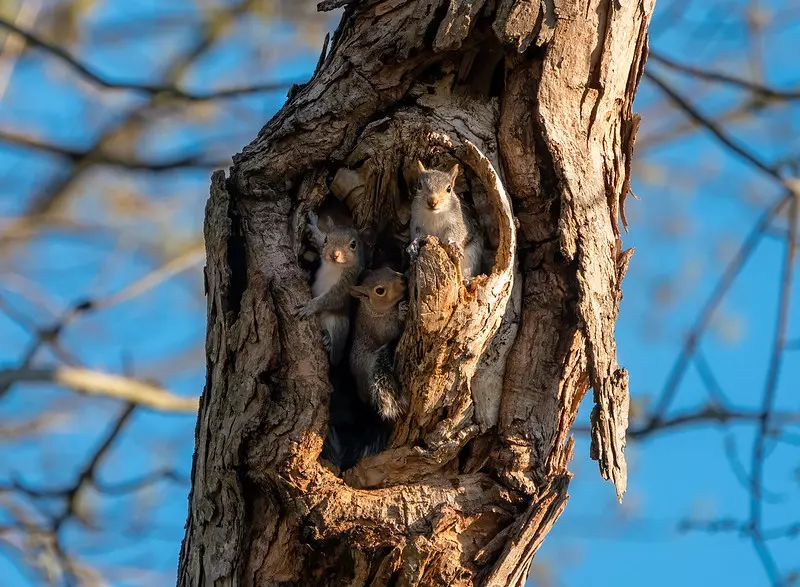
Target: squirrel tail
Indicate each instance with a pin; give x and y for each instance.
(384, 391)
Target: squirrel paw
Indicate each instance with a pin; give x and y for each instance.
(305, 311)
(454, 248)
(413, 248)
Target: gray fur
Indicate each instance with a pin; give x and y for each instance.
(332, 284)
(383, 391)
(437, 211)
(334, 335)
(370, 359)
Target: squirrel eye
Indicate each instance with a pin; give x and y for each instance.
(379, 291)
(353, 245)
(449, 189)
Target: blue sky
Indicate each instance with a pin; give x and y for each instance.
(696, 205)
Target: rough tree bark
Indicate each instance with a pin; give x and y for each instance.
(533, 98)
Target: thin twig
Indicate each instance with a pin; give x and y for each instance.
(730, 525)
(182, 262)
(709, 124)
(731, 272)
(152, 89)
(740, 471)
(714, 76)
(738, 113)
(89, 471)
(768, 401)
(41, 423)
(703, 416)
(766, 416)
(140, 483)
(711, 382)
(13, 46)
(46, 200)
(101, 158)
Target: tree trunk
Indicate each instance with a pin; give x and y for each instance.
(534, 99)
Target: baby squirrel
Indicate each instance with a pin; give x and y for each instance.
(342, 258)
(436, 210)
(379, 321)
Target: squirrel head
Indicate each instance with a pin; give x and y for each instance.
(382, 289)
(342, 247)
(436, 189)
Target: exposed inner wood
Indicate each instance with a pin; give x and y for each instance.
(533, 99)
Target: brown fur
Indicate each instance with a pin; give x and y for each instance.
(379, 322)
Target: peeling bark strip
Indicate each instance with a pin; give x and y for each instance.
(533, 98)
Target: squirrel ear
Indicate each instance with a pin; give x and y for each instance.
(453, 173)
(358, 292)
(420, 167)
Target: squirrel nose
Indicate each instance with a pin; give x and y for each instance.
(338, 256)
(432, 202)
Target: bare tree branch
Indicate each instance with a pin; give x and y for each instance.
(95, 383)
(710, 414)
(711, 382)
(99, 157)
(12, 47)
(140, 483)
(53, 194)
(171, 90)
(768, 401)
(702, 120)
(756, 88)
(738, 113)
(731, 272)
(731, 525)
(89, 471)
(46, 536)
(182, 262)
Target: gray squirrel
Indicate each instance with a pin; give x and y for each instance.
(342, 262)
(379, 322)
(437, 211)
